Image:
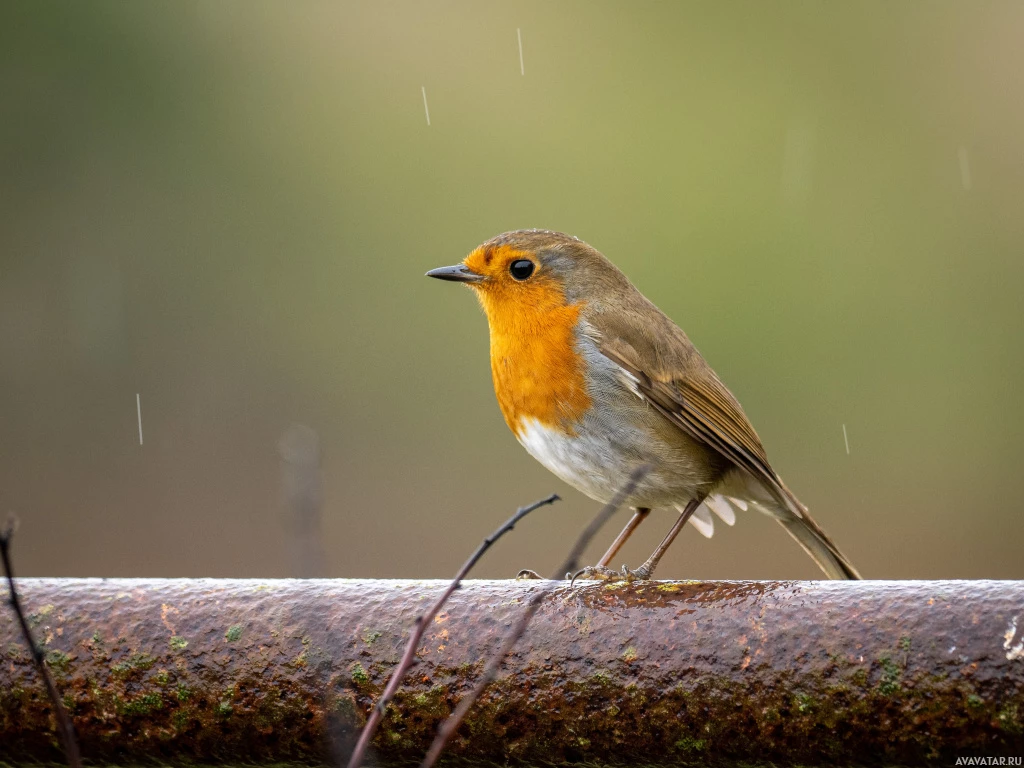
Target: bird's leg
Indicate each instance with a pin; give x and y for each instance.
(646, 570)
(638, 517)
(601, 571)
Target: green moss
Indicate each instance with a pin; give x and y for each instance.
(689, 744)
(177, 643)
(58, 660)
(975, 702)
(137, 662)
(163, 677)
(904, 643)
(601, 677)
(432, 704)
(180, 718)
(629, 655)
(370, 637)
(234, 632)
(891, 673)
(224, 709)
(359, 674)
(804, 703)
(35, 619)
(141, 705)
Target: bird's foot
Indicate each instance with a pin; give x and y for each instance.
(609, 575)
(594, 573)
(527, 574)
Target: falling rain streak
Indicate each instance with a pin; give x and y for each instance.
(846, 440)
(425, 107)
(138, 411)
(522, 68)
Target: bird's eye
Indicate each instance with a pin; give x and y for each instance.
(521, 269)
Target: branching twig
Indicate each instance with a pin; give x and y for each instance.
(449, 726)
(421, 624)
(64, 726)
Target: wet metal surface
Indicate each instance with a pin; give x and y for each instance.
(667, 673)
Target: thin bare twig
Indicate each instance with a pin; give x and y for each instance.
(423, 621)
(64, 726)
(449, 726)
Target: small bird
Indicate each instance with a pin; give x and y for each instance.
(594, 380)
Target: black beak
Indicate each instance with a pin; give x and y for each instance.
(460, 273)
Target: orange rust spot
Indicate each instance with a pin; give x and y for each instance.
(165, 611)
(536, 369)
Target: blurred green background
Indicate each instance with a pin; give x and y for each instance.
(228, 207)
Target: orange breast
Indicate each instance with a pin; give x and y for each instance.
(538, 374)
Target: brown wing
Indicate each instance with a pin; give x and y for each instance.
(701, 406)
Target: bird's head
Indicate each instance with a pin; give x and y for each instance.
(529, 272)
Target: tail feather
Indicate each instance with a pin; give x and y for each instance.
(779, 502)
(821, 549)
(815, 542)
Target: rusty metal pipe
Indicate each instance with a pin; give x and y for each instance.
(214, 671)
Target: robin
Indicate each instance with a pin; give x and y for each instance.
(593, 380)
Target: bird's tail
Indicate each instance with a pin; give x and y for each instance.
(815, 542)
(776, 500)
(820, 547)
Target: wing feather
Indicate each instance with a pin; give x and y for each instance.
(704, 409)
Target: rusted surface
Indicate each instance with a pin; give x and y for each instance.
(820, 673)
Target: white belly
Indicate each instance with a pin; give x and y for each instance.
(588, 463)
(576, 459)
(598, 461)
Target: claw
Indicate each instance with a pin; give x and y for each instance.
(594, 573)
(526, 573)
